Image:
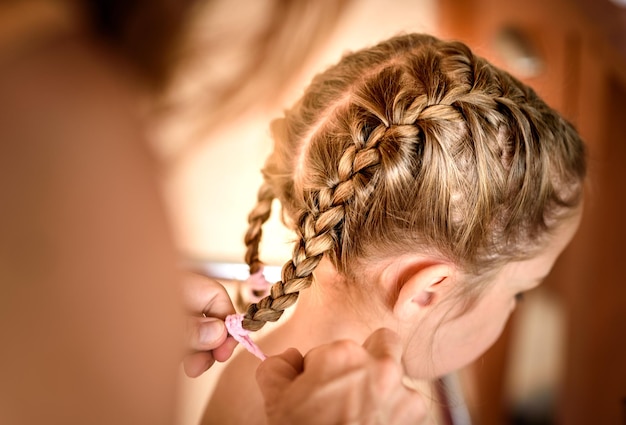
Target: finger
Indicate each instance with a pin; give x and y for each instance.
(385, 348)
(201, 294)
(337, 357)
(384, 343)
(206, 334)
(347, 395)
(224, 351)
(196, 364)
(410, 408)
(276, 372)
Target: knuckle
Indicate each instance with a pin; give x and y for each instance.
(342, 352)
(388, 364)
(345, 345)
(388, 370)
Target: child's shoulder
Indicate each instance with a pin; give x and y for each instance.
(236, 397)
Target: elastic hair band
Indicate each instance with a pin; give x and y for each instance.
(241, 335)
(257, 286)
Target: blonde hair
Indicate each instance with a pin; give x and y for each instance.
(414, 145)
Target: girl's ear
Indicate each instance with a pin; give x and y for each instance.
(421, 286)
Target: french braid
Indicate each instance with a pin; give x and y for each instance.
(414, 144)
(259, 215)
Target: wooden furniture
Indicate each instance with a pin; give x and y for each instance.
(582, 47)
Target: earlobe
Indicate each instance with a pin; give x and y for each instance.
(420, 287)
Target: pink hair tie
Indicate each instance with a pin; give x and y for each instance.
(257, 286)
(241, 335)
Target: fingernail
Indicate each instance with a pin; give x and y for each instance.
(211, 332)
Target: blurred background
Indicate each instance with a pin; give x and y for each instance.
(562, 359)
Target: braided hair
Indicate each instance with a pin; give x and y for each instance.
(412, 145)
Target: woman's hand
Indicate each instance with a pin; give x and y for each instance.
(207, 303)
(341, 382)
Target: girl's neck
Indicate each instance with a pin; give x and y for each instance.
(322, 314)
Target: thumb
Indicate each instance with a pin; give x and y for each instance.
(278, 371)
(384, 343)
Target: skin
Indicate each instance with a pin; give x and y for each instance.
(434, 341)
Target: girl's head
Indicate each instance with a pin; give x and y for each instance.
(417, 158)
